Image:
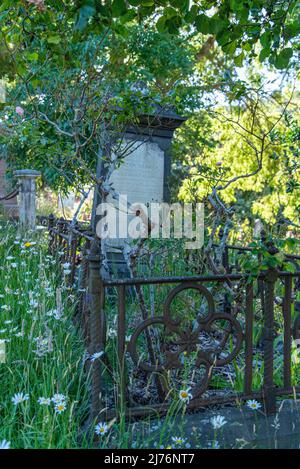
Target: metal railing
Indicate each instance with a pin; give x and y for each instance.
(196, 335)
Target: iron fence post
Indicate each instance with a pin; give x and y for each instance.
(82, 285)
(97, 324)
(269, 390)
(59, 239)
(51, 222)
(121, 346)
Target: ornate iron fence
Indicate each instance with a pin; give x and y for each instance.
(72, 242)
(216, 339)
(192, 340)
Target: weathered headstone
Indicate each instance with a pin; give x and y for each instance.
(143, 175)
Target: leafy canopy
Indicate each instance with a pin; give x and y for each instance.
(268, 29)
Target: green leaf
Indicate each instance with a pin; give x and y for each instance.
(287, 53)
(281, 61)
(85, 13)
(32, 56)
(264, 53)
(118, 8)
(223, 37)
(292, 30)
(238, 60)
(191, 15)
(54, 39)
(170, 12)
(129, 16)
(265, 39)
(161, 24)
(182, 5)
(230, 48)
(247, 46)
(202, 24)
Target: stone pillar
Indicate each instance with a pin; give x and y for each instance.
(27, 197)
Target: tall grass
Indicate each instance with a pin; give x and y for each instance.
(44, 350)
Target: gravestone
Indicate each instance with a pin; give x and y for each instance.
(144, 174)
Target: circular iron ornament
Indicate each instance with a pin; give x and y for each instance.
(189, 339)
(132, 347)
(186, 286)
(234, 327)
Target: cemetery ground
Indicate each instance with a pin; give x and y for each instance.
(45, 378)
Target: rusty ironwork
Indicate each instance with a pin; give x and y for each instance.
(188, 340)
(211, 332)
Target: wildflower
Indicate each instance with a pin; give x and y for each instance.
(27, 244)
(112, 332)
(218, 422)
(215, 445)
(60, 407)
(58, 398)
(44, 400)
(96, 355)
(4, 444)
(178, 440)
(20, 111)
(34, 303)
(55, 313)
(19, 397)
(101, 428)
(185, 395)
(253, 404)
(14, 265)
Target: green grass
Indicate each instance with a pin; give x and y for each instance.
(44, 355)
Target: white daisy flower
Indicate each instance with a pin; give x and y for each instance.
(218, 422)
(60, 407)
(34, 303)
(101, 428)
(185, 395)
(58, 398)
(4, 444)
(96, 355)
(19, 397)
(178, 441)
(44, 400)
(253, 404)
(55, 313)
